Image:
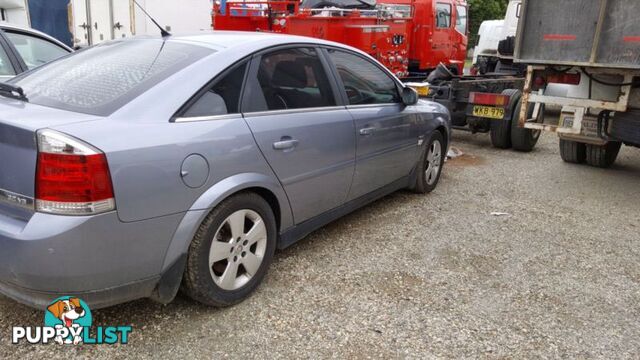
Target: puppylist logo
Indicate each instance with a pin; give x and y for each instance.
(68, 320)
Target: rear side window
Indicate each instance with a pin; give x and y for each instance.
(364, 82)
(443, 15)
(222, 98)
(35, 51)
(290, 79)
(6, 69)
(101, 79)
(461, 19)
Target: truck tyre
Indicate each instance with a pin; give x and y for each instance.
(525, 139)
(603, 156)
(572, 151)
(501, 129)
(231, 251)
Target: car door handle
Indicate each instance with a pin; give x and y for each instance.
(367, 131)
(285, 144)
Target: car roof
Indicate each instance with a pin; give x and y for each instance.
(220, 40)
(9, 26)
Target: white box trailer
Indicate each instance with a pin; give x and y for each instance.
(95, 21)
(594, 46)
(14, 12)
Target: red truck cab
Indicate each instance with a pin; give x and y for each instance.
(440, 35)
(410, 37)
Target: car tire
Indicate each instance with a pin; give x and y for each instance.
(573, 151)
(209, 276)
(501, 129)
(525, 139)
(603, 156)
(430, 164)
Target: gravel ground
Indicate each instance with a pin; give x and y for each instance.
(427, 276)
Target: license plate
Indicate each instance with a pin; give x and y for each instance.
(488, 112)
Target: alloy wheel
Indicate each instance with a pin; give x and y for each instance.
(237, 249)
(434, 162)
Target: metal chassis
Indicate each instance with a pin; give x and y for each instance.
(581, 105)
(457, 92)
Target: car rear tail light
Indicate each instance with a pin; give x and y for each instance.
(489, 99)
(72, 177)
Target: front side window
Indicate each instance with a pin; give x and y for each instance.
(290, 79)
(364, 82)
(443, 15)
(35, 51)
(103, 78)
(222, 98)
(461, 19)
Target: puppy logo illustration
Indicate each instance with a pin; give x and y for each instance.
(71, 313)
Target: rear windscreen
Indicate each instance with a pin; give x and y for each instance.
(102, 79)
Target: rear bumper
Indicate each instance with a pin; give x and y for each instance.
(96, 299)
(98, 258)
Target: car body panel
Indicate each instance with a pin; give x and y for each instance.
(57, 253)
(322, 159)
(387, 140)
(145, 160)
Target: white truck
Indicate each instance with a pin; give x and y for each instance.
(496, 42)
(95, 21)
(14, 12)
(593, 46)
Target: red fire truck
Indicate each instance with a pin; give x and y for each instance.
(410, 37)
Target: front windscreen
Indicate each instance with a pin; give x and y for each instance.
(102, 79)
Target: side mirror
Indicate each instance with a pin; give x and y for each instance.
(409, 96)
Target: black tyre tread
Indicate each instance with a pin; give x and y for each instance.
(602, 156)
(421, 186)
(501, 129)
(572, 151)
(194, 282)
(524, 139)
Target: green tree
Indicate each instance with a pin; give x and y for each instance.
(481, 10)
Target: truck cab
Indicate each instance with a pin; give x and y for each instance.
(440, 35)
(496, 42)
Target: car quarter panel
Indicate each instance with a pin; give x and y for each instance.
(146, 160)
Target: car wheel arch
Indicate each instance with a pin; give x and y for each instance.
(267, 187)
(175, 256)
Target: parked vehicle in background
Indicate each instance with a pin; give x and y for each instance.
(488, 103)
(152, 162)
(486, 51)
(23, 49)
(95, 21)
(496, 43)
(409, 37)
(597, 52)
(14, 12)
(490, 99)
